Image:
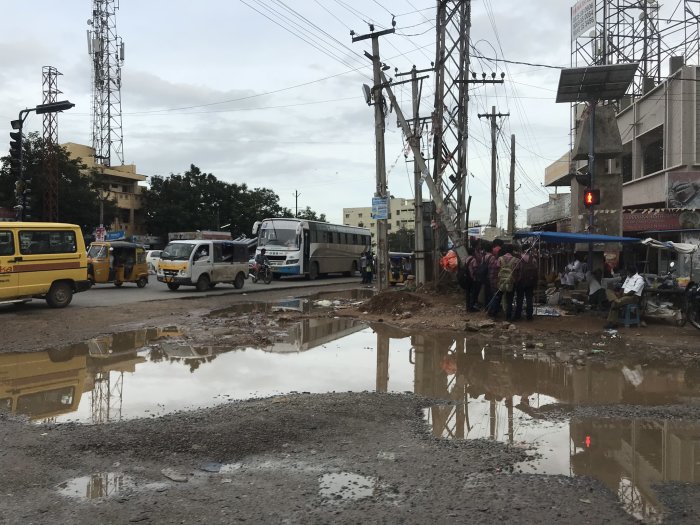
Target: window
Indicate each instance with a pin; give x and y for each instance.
(347, 215)
(398, 212)
(388, 226)
(371, 225)
(398, 223)
(359, 215)
(7, 246)
(42, 241)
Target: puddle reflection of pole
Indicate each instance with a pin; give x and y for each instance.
(382, 363)
(492, 418)
(509, 406)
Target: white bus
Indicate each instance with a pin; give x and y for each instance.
(310, 248)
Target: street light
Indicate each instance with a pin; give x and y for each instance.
(16, 151)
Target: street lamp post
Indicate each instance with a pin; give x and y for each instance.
(21, 184)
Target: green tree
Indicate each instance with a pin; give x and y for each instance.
(402, 240)
(78, 198)
(310, 215)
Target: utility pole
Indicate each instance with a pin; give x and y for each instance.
(494, 128)
(511, 188)
(381, 184)
(296, 203)
(414, 140)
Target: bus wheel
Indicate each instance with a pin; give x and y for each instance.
(203, 283)
(313, 272)
(60, 295)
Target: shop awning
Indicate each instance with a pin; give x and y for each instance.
(565, 237)
(678, 247)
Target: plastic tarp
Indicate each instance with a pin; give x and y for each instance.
(678, 247)
(565, 237)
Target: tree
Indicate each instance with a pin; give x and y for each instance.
(310, 215)
(199, 201)
(402, 240)
(78, 198)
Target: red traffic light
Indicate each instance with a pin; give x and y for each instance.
(591, 198)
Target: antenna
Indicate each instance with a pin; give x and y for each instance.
(106, 50)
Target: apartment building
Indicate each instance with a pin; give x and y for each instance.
(121, 185)
(401, 216)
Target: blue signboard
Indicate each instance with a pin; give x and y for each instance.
(380, 208)
(115, 236)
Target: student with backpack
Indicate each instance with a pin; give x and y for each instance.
(507, 274)
(528, 276)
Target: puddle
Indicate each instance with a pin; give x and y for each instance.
(95, 486)
(628, 455)
(346, 486)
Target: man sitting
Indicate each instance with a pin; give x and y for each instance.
(632, 290)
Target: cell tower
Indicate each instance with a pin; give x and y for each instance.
(637, 31)
(107, 51)
(49, 82)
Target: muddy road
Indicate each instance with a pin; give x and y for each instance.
(331, 404)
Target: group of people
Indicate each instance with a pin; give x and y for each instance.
(506, 278)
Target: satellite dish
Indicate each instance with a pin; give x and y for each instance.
(367, 92)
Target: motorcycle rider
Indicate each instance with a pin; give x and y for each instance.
(261, 261)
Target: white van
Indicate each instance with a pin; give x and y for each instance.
(203, 263)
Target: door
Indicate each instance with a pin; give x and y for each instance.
(224, 270)
(8, 277)
(307, 241)
(202, 258)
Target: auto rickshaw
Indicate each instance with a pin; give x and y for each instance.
(400, 267)
(117, 262)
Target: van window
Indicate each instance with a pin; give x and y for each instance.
(7, 246)
(47, 242)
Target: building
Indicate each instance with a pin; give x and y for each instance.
(402, 215)
(657, 171)
(121, 185)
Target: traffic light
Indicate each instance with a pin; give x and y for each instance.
(16, 152)
(591, 198)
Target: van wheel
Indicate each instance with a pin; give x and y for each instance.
(142, 282)
(60, 295)
(203, 283)
(313, 273)
(173, 286)
(239, 281)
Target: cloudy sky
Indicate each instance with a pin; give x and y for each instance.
(251, 92)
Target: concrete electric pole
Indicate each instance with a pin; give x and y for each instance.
(381, 186)
(493, 219)
(511, 189)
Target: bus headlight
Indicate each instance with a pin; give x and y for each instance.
(292, 261)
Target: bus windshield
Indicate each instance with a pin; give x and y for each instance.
(177, 252)
(274, 236)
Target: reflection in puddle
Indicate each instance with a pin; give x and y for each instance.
(101, 485)
(628, 455)
(346, 486)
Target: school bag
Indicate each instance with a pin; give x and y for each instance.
(506, 280)
(481, 274)
(529, 273)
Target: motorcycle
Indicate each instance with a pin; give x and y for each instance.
(692, 303)
(262, 271)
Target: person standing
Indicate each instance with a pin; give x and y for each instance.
(494, 302)
(363, 267)
(470, 285)
(528, 276)
(632, 290)
(507, 275)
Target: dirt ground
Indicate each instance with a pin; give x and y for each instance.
(328, 458)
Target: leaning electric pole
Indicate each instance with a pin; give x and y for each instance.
(107, 52)
(381, 193)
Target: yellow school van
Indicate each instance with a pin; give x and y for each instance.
(44, 260)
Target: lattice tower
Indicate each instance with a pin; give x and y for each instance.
(107, 52)
(451, 98)
(640, 31)
(49, 82)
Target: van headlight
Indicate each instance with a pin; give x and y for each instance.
(183, 271)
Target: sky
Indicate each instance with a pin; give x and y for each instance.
(235, 89)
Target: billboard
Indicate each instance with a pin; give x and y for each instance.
(582, 17)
